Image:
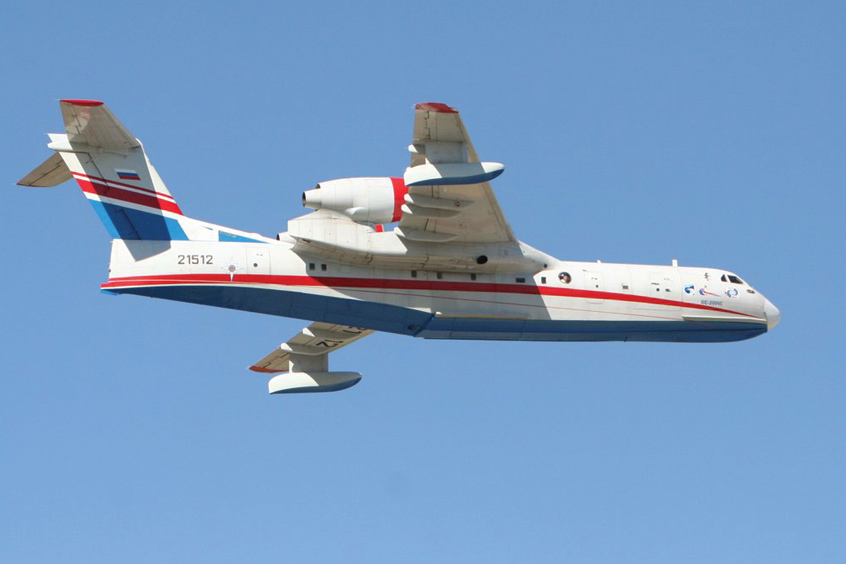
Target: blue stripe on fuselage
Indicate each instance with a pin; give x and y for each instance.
(369, 315)
(583, 330)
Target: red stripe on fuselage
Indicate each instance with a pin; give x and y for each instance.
(393, 284)
(127, 196)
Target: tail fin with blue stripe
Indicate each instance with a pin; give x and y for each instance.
(111, 167)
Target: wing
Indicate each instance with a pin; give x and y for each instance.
(449, 193)
(305, 357)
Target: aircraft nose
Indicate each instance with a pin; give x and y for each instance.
(772, 313)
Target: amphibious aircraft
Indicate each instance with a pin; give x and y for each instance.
(429, 254)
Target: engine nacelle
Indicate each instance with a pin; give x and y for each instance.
(373, 200)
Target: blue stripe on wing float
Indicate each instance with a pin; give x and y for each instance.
(458, 180)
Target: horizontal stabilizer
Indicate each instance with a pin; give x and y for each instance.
(92, 123)
(51, 172)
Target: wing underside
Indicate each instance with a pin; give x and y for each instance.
(304, 359)
(449, 194)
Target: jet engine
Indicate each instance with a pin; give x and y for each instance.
(372, 200)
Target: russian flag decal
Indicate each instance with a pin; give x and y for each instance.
(127, 174)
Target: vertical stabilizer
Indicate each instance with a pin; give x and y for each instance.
(111, 167)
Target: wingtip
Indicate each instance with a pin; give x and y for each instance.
(255, 368)
(82, 102)
(436, 107)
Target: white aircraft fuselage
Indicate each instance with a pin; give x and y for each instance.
(427, 255)
(600, 302)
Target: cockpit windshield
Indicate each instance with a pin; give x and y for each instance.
(731, 278)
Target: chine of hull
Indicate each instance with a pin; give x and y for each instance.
(582, 330)
(406, 321)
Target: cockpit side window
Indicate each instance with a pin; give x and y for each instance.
(723, 278)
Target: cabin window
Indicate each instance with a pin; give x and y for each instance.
(414, 274)
(565, 277)
(473, 276)
(543, 279)
(520, 279)
(311, 266)
(440, 275)
(323, 267)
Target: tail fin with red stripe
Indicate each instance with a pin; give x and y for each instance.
(111, 167)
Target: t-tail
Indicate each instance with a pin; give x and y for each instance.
(112, 168)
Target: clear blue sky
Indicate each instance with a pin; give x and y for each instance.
(130, 430)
